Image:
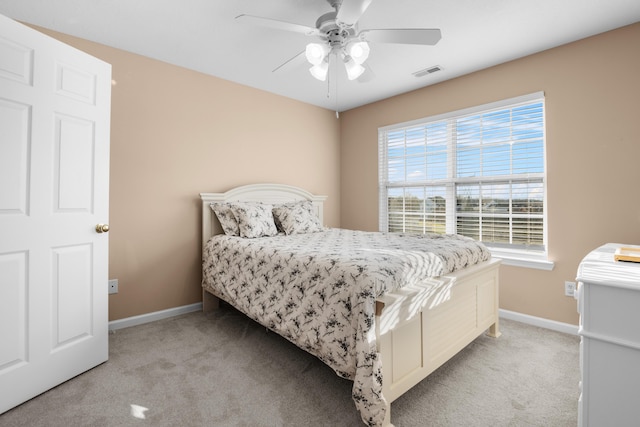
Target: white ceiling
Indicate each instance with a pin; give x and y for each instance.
(203, 35)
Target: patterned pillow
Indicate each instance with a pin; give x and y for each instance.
(254, 219)
(297, 218)
(227, 219)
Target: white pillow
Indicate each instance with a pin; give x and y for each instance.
(254, 219)
(226, 217)
(297, 218)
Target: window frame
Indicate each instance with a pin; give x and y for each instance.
(511, 255)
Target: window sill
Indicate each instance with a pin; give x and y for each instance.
(515, 258)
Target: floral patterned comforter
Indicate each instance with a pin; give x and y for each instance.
(318, 290)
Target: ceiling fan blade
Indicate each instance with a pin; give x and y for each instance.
(277, 25)
(424, 36)
(351, 10)
(295, 61)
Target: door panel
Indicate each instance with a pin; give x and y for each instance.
(16, 61)
(55, 106)
(73, 164)
(14, 122)
(75, 83)
(13, 319)
(71, 303)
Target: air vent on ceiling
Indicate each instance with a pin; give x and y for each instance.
(427, 71)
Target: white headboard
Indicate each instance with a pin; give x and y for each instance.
(265, 193)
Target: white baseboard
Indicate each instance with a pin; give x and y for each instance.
(176, 311)
(567, 328)
(152, 317)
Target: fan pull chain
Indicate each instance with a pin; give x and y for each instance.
(336, 96)
(329, 80)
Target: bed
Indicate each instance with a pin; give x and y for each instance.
(393, 327)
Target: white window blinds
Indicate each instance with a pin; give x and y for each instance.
(478, 172)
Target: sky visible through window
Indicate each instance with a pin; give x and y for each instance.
(503, 142)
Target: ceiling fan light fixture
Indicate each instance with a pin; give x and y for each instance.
(354, 70)
(320, 71)
(359, 51)
(316, 52)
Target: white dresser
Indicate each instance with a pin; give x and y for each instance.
(609, 306)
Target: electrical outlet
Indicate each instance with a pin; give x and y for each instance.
(569, 288)
(113, 286)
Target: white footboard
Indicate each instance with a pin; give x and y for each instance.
(420, 328)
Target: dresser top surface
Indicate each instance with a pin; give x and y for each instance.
(599, 266)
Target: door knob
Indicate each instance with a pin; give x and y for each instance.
(102, 228)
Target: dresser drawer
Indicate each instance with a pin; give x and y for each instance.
(611, 397)
(610, 311)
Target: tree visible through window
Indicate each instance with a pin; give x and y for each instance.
(477, 172)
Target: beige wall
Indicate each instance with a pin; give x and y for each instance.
(592, 90)
(176, 133)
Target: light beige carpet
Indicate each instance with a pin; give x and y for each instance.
(221, 369)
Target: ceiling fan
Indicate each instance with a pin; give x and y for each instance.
(340, 37)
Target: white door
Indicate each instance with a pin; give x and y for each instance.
(55, 106)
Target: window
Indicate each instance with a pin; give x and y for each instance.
(479, 172)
